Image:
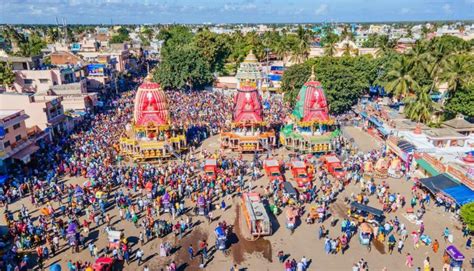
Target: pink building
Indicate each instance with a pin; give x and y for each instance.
(46, 112)
(30, 78)
(14, 141)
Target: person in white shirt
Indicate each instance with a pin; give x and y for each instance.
(299, 266)
(305, 262)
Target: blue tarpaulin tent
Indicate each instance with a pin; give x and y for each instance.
(438, 183)
(375, 121)
(3, 179)
(461, 194)
(383, 131)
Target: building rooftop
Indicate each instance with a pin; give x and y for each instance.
(442, 132)
(459, 123)
(8, 112)
(18, 59)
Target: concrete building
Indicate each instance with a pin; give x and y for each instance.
(14, 141)
(22, 63)
(46, 112)
(75, 96)
(61, 58)
(31, 77)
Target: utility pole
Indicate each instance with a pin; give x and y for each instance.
(267, 82)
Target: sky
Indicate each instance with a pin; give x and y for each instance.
(231, 11)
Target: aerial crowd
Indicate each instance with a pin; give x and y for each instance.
(115, 192)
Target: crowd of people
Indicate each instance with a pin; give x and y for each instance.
(69, 212)
(138, 194)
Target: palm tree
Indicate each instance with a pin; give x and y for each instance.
(419, 55)
(330, 49)
(399, 79)
(300, 52)
(7, 76)
(348, 49)
(457, 71)
(346, 34)
(386, 46)
(281, 48)
(52, 34)
(419, 107)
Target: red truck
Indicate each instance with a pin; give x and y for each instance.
(299, 170)
(210, 169)
(272, 170)
(333, 166)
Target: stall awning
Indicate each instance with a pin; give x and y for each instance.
(426, 166)
(375, 121)
(383, 131)
(3, 179)
(406, 146)
(438, 183)
(363, 114)
(461, 194)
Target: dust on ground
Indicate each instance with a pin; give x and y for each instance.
(241, 245)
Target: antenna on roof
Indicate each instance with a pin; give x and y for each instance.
(57, 26)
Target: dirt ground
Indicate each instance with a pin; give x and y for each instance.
(261, 254)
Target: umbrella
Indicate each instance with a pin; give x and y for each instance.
(55, 267)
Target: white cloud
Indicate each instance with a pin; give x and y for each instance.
(322, 9)
(447, 8)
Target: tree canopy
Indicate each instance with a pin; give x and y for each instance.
(183, 63)
(7, 76)
(344, 79)
(121, 36)
(467, 215)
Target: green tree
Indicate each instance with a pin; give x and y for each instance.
(458, 71)
(121, 36)
(148, 33)
(213, 47)
(385, 45)
(7, 76)
(419, 56)
(52, 34)
(400, 81)
(419, 107)
(371, 41)
(182, 68)
(344, 79)
(461, 101)
(467, 215)
(330, 49)
(175, 36)
(32, 46)
(348, 50)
